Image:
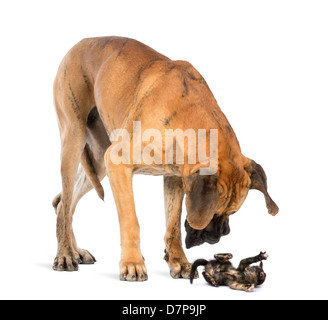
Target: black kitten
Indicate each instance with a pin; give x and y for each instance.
(220, 272)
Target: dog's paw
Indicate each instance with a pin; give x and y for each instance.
(85, 257)
(182, 271)
(179, 266)
(130, 271)
(66, 263)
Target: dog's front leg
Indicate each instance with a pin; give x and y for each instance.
(132, 266)
(175, 256)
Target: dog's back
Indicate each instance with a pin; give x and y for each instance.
(125, 78)
(81, 75)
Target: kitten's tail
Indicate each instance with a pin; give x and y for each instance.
(196, 264)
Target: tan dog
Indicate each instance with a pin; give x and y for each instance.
(105, 84)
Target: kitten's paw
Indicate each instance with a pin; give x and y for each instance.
(250, 288)
(264, 256)
(223, 256)
(210, 280)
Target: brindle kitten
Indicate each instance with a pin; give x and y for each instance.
(220, 272)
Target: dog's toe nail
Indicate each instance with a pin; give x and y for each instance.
(143, 277)
(175, 275)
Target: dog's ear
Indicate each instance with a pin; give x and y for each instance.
(259, 182)
(202, 199)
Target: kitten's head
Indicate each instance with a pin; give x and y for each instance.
(255, 275)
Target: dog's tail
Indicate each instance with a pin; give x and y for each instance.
(90, 171)
(196, 264)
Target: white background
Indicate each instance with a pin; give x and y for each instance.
(267, 64)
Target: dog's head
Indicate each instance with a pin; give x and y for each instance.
(210, 200)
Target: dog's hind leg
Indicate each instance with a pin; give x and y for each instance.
(82, 186)
(175, 256)
(90, 174)
(73, 143)
(73, 103)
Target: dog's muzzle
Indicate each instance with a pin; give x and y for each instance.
(218, 227)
